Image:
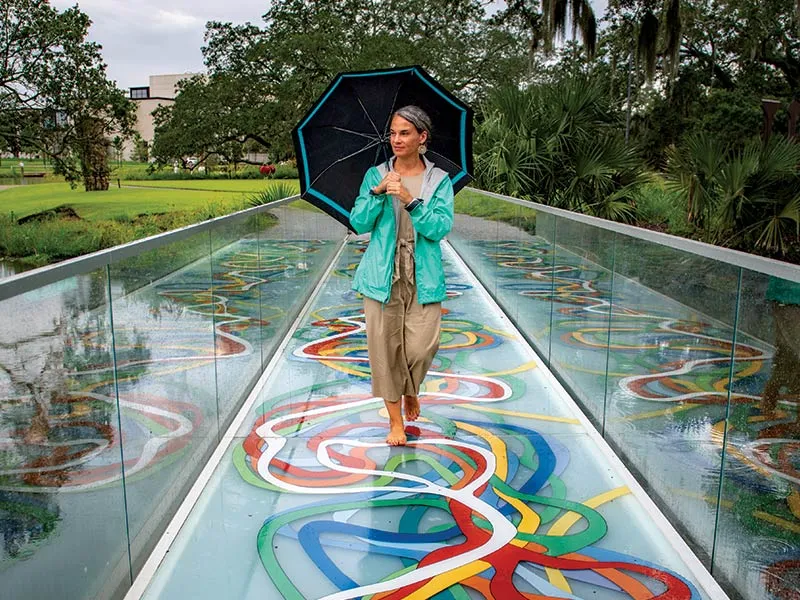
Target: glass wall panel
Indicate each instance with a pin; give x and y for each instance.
(164, 333)
(758, 535)
(475, 234)
(582, 295)
(512, 256)
(62, 510)
(296, 244)
(669, 371)
(236, 311)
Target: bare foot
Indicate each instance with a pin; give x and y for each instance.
(411, 407)
(397, 435)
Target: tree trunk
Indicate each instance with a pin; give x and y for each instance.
(94, 155)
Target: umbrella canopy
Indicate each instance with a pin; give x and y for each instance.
(347, 131)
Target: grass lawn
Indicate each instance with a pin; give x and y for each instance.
(117, 216)
(476, 204)
(128, 202)
(10, 166)
(216, 185)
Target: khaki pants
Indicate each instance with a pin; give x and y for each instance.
(402, 339)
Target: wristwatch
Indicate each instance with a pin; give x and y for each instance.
(413, 204)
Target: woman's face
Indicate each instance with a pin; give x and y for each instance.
(405, 138)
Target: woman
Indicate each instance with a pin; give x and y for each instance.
(406, 204)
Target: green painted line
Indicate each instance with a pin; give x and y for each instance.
(266, 549)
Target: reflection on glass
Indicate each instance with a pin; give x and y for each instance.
(669, 372)
(235, 311)
(475, 233)
(164, 338)
(582, 297)
(294, 249)
(758, 536)
(509, 248)
(61, 500)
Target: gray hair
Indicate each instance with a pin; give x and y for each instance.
(416, 116)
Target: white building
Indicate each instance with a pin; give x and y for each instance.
(162, 90)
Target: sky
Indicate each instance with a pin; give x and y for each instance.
(156, 37)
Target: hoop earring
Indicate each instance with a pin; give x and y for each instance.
(422, 149)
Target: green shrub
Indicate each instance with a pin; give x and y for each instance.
(38, 243)
(661, 209)
(272, 194)
(167, 173)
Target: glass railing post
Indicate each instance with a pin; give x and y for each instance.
(119, 418)
(608, 338)
(212, 306)
(726, 428)
(553, 252)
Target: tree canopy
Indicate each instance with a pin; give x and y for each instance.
(262, 79)
(54, 95)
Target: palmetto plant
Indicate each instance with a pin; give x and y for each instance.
(748, 198)
(273, 193)
(558, 144)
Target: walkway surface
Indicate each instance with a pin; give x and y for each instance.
(504, 491)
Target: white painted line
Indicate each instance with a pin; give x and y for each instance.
(685, 553)
(150, 567)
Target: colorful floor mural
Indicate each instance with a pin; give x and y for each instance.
(64, 436)
(501, 493)
(661, 394)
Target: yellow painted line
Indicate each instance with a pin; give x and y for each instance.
(703, 497)
(557, 578)
(528, 366)
(658, 413)
(794, 503)
(530, 518)
(523, 415)
(497, 446)
(717, 436)
(342, 367)
(329, 351)
(563, 525)
(779, 414)
(505, 334)
(793, 527)
(445, 580)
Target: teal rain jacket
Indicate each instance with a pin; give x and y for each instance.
(432, 220)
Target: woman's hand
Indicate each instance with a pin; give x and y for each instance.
(395, 188)
(390, 177)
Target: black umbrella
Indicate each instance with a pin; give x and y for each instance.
(347, 131)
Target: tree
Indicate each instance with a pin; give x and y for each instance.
(119, 146)
(747, 198)
(141, 149)
(558, 143)
(54, 95)
(261, 80)
(550, 25)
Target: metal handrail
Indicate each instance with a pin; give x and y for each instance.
(36, 278)
(751, 262)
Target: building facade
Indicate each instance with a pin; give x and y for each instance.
(162, 90)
